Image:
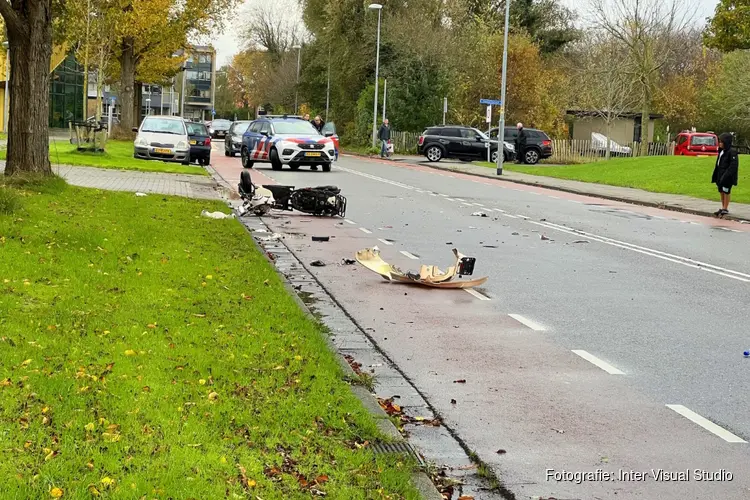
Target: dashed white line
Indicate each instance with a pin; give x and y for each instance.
(441, 194)
(598, 362)
(706, 424)
(478, 205)
(534, 192)
(511, 216)
(459, 199)
(410, 255)
(366, 231)
(466, 204)
(657, 217)
(554, 197)
(433, 194)
(384, 242)
(350, 221)
(576, 201)
(499, 210)
(522, 217)
(476, 294)
(450, 199)
(525, 321)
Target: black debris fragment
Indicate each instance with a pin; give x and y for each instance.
(321, 238)
(318, 263)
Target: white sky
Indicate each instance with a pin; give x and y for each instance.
(229, 43)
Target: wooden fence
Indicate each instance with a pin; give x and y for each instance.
(404, 143)
(573, 151)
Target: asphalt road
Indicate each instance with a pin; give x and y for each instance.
(608, 336)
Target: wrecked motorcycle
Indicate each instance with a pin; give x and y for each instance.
(320, 200)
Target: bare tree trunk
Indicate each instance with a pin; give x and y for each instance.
(608, 153)
(645, 115)
(99, 85)
(127, 86)
(30, 40)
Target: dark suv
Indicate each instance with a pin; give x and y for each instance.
(538, 144)
(458, 141)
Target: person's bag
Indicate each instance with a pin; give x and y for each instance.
(390, 147)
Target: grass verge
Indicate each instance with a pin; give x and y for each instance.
(149, 352)
(683, 175)
(118, 155)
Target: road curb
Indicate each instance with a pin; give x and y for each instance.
(420, 480)
(661, 205)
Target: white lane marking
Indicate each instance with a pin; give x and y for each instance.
(350, 221)
(411, 256)
(450, 199)
(478, 205)
(522, 217)
(476, 294)
(441, 194)
(527, 322)
(706, 424)
(376, 178)
(366, 231)
(384, 242)
(511, 216)
(695, 223)
(598, 362)
(500, 210)
(576, 201)
(534, 192)
(459, 199)
(657, 217)
(555, 197)
(735, 230)
(466, 204)
(685, 261)
(433, 194)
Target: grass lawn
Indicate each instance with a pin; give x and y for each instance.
(148, 352)
(661, 174)
(118, 154)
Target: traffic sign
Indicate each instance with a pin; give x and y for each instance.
(488, 117)
(491, 102)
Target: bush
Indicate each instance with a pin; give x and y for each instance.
(10, 201)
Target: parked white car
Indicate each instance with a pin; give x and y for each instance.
(599, 143)
(163, 138)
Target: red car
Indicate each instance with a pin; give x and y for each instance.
(696, 144)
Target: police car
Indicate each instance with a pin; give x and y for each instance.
(289, 141)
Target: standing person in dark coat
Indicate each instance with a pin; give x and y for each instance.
(318, 123)
(384, 134)
(725, 172)
(520, 143)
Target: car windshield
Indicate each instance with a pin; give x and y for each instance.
(221, 124)
(163, 126)
(241, 127)
(295, 127)
(703, 140)
(196, 129)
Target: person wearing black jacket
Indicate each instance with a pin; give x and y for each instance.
(384, 134)
(318, 123)
(520, 143)
(725, 172)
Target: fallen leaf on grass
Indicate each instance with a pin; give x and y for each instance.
(212, 396)
(56, 493)
(94, 492)
(151, 325)
(107, 482)
(26, 363)
(130, 352)
(199, 315)
(5, 382)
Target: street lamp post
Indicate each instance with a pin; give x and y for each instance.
(296, 87)
(328, 88)
(503, 104)
(379, 8)
(6, 46)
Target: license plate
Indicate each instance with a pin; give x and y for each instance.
(312, 154)
(192, 143)
(162, 150)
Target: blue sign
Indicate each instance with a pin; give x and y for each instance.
(491, 102)
(213, 112)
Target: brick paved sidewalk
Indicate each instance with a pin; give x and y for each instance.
(189, 186)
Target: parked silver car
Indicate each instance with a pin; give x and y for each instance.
(162, 138)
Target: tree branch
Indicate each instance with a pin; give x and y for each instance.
(13, 22)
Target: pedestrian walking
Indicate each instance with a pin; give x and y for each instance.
(520, 143)
(318, 123)
(725, 172)
(384, 135)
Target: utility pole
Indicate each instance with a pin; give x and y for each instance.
(296, 89)
(328, 88)
(445, 108)
(503, 104)
(385, 95)
(379, 8)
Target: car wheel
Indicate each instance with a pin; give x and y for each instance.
(434, 153)
(326, 167)
(531, 157)
(275, 161)
(493, 156)
(294, 166)
(246, 163)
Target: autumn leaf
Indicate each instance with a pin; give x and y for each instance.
(56, 492)
(130, 352)
(212, 396)
(89, 427)
(94, 492)
(202, 381)
(26, 363)
(151, 325)
(108, 482)
(5, 382)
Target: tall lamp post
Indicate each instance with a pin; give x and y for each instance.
(6, 46)
(328, 88)
(379, 8)
(296, 87)
(501, 130)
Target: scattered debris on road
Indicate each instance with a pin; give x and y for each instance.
(501, 452)
(430, 276)
(349, 262)
(479, 214)
(514, 234)
(321, 238)
(318, 263)
(453, 401)
(356, 366)
(141, 194)
(559, 431)
(216, 215)
(272, 237)
(543, 237)
(394, 410)
(580, 241)
(460, 381)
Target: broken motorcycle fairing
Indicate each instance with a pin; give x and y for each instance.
(321, 200)
(430, 276)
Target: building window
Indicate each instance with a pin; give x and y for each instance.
(66, 93)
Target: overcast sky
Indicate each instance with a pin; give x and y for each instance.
(229, 43)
